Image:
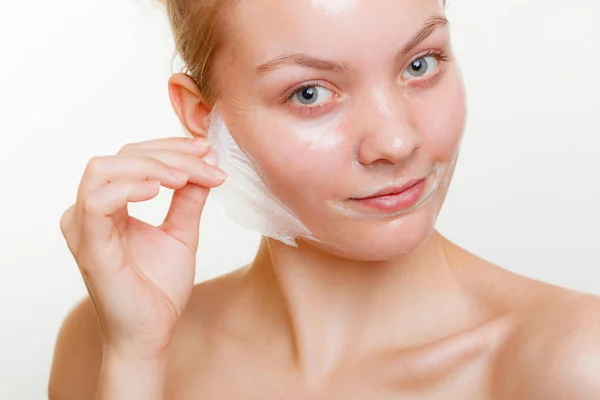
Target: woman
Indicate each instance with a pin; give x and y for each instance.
(352, 112)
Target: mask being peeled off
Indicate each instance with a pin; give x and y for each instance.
(244, 196)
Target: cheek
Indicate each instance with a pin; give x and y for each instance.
(296, 161)
(442, 118)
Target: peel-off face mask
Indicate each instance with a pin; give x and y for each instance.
(328, 146)
(246, 199)
(248, 202)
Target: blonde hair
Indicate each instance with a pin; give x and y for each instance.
(198, 29)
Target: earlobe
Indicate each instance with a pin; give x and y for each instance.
(192, 110)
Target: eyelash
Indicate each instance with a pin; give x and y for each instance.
(441, 58)
(307, 109)
(419, 83)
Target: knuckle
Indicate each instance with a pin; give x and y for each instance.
(95, 165)
(126, 148)
(66, 220)
(91, 206)
(68, 230)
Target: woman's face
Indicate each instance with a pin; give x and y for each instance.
(337, 101)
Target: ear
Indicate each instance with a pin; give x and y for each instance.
(192, 110)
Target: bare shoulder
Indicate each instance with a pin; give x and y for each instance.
(78, 350)
(554, 351)
(209, 309)
(77, 355)
(212, 299)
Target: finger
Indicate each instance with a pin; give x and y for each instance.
(196, 146)
(97, 224)
(69, 229)
(183, 219)
(107, 169)
(66, 220)
(201, 171)
(155, 165)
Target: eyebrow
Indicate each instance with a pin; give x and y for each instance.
(305, 60)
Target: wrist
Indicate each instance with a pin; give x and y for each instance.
(133, 357)
(135, 352)
(132, 376)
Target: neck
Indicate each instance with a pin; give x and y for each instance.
(335, 309)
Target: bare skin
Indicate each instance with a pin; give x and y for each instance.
(400, 313)
(517, 339)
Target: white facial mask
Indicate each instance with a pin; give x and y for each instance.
(248, 202)
(244, 196)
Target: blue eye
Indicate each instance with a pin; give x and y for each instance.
(421, 67)
(311, 95)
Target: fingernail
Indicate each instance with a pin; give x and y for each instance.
(211, 158)
(217, 172)
(200, 142)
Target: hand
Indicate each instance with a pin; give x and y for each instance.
(140, 277)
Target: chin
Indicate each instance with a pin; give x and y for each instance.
(379, 239)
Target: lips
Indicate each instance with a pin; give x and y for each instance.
(392, 199)
(392, 190)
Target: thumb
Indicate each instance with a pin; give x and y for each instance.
(183, 218)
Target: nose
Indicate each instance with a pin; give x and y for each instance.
(387, 136)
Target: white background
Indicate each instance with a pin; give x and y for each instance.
(82, 78)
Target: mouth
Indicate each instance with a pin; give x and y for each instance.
(392, 190)
(393, 199)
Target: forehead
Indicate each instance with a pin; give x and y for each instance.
(323, 28)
